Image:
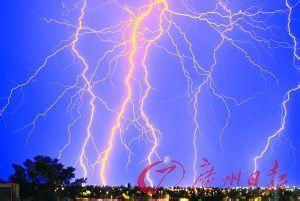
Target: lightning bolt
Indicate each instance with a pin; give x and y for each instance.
(88, 88)
(295, 46)
(209, 82)
(134, 47)
(282, 125)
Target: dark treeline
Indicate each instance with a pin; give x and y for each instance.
(46, 179)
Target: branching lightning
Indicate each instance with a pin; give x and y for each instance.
(134, 46)
(130, 44)
(282, 125)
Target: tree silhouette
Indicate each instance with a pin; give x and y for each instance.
(43, 178)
